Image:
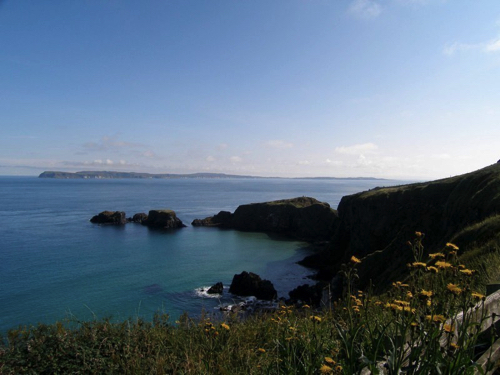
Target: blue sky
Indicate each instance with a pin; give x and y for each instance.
(385, 88)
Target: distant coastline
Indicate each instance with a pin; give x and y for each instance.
(117, 175)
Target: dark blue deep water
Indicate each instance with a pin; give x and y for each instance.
(55, 264)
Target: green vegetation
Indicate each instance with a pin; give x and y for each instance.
(416, 327)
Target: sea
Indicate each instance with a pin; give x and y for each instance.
(56, 265)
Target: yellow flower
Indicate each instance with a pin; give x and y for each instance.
(306, 307)
(467, 272)
(261, 350)
(225, 326)
(453, 252)
(451, 246)
(429, 303)
(316, 319)
(432, 269)
(426, 293)
(454, 288)
(355, 260)
(443, 265)
(436, 255)
(409, 294)
(449, 328)
(419, 234)
(402, 303)
(418, 265)
(454, 346)
(292, 329)
(399, 284)
(338, 368)
(326, 369)
(329, 360)
(478, 295)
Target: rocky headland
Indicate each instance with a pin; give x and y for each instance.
(302, 218)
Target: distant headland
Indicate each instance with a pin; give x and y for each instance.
(114, 174)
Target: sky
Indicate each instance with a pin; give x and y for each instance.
(405, 89)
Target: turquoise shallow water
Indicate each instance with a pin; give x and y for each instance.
(54, 263)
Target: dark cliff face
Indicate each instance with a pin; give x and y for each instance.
(303, 218)
(377, 223)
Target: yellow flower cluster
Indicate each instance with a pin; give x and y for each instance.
(436, 255)
(355, 260)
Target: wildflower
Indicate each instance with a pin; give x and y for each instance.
(436, 318)
(418, 265)
(316, 319)
(261, 350)
(355, 309)
(378, 303)
(355, 260)
(419, 234)
(293, 329)
(436, 255)
(443, 265)
(454, 346)
(467, 272)
(402, 303)
(449, 328)
(478, 295)
(399, 284)
(461, 266)
(453, 252)
(414, 324)
(428, 302)
(409, 294)
(455, 289)
(329, 360)
(451, 246)
(306, 307)
(225, 326)
(326, 369)
(426, 293)
(432, 269)
(338, 368)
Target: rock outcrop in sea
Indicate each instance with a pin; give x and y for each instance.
(217, 288)
(109, 217)
(164, 219)
(250, 284)
(302, 218)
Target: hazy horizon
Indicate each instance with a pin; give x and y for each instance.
(397, 89)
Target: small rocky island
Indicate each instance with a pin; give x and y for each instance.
(162, 219)
(303, 218)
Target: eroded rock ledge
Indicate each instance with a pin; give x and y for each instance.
(302, 218)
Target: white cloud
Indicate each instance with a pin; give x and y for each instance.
(279, 144)
(235, 159)
(365, 9)
(493, 45)
(357, 149)
(458, 47)
(490, 46)
(304, 162)
(210, 158)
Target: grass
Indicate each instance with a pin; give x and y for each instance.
(417, 319)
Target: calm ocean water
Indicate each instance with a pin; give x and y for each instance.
(55, 264)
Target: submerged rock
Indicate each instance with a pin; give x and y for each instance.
(217, 288)
(165, 219)
(250, 284)
(109, 217)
